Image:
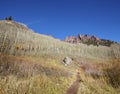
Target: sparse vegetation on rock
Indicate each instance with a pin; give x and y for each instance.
(89, 40)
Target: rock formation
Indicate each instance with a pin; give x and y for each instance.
(87, 39)
(67, 61)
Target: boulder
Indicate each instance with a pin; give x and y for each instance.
(67, 61)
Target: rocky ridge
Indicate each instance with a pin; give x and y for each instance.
(89, 40)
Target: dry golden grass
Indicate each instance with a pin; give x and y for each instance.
(50, 77)
(27, 75)
(113, 73)
(30, 63)
(17, 39)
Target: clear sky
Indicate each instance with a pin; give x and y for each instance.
(61, 18)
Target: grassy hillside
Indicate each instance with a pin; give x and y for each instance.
(17, 39)
(30, 63)
(45, 75)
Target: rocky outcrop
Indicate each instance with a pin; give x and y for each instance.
(81, 38)
(87, 39)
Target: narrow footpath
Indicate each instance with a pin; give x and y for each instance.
(73, 89)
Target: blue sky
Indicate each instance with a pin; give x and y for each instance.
(61, 18)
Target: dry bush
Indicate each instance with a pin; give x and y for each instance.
(113, 73)
(21, 67)
(91, 69)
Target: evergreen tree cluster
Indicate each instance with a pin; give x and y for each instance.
(9, 18)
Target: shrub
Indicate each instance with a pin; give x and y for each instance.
(113, 74)
(9, 18)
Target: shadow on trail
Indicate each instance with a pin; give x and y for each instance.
(73, 89)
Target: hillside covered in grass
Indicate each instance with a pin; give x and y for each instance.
(18, 39)
(31, 63)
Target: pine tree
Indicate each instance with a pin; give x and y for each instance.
(9, 18)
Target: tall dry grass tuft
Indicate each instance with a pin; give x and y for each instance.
(29, 75)
(113, 73)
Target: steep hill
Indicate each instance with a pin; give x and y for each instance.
(18, 39)
(32, 63)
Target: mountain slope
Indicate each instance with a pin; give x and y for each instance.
(17, 39)
(31, 63)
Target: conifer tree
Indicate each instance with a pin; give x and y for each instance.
(9, 18)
